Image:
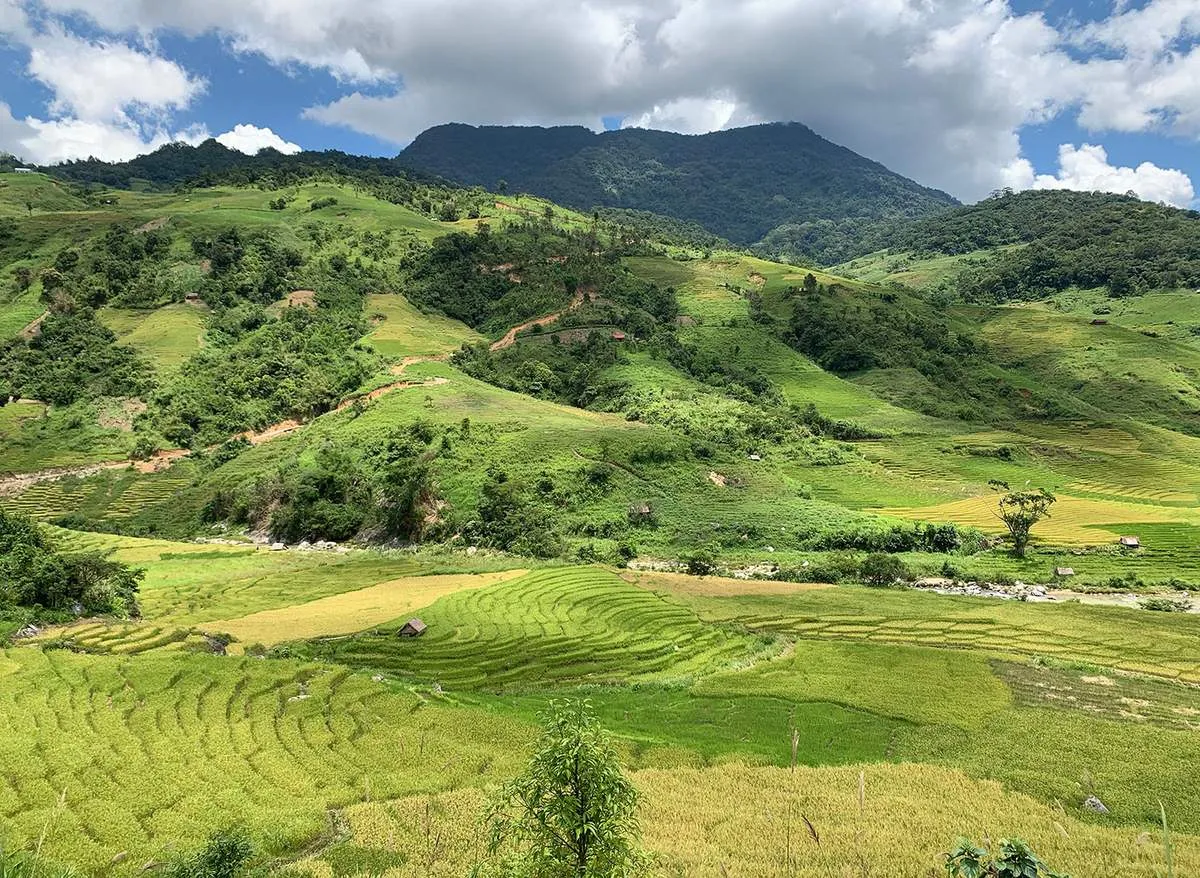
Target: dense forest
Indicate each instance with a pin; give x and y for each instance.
(1083, 239)
(739, 184)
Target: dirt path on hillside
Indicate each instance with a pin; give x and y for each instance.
(16, 483)
(510, 337)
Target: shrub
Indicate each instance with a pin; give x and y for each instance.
(1014, 859)
(880, 570)
(572, 812)
(1164, 605)
(226, 855)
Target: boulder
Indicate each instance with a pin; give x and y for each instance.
(1093, 803)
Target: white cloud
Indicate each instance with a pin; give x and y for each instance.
(1087, 168)
(105, 80)
(55, 140)
(250, 139)
(937, 89)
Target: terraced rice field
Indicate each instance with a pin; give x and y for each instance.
(353, 611)
(1074, 521)
(749, 821)
(572, 625)
(1157, 644)
(151, 748)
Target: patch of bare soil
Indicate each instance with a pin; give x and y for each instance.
(153, 226)
(34, 326)
(121, 417)
(719, 480)
(757, 279)
(301, 299)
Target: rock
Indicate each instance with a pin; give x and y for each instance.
(378, 678)
(29, 631)
(471, 550)
(304, 544)
(278, 547)
(1092, 803)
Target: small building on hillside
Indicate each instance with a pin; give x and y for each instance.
(618, 335)
(23, 171)
(755, 457)
(1064, 572)
(1131, 542)
(192, 298)
(412, 628)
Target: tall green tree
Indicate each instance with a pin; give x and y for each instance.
(1020, 511)
(572, 813)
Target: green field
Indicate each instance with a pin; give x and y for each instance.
(266, 686)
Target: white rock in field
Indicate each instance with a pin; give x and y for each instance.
(1092, 803)
(378, 678)
(304, 544)
(278, 547)
(471, 550)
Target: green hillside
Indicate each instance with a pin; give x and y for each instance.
(740, 184)
(599, 457)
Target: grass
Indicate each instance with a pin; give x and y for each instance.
(166, 336)
(177, 745)
(403, 331)
(749, 821)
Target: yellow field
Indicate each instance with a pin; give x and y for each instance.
(715, 586)
(1073, 520)
(748, 822)
(352, 611)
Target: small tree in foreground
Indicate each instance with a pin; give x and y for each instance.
(1020, 511)
(572, 813)
(1014, 859)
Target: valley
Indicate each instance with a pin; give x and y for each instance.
(709, 492)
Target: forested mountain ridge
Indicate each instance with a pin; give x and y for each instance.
(740, 184)
(1028, 245)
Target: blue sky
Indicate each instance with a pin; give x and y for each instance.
(965, 95)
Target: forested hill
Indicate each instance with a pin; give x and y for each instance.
(1048, 241)
(181, 163)
(740, 184)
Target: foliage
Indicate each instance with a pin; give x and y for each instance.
(73, 356)
(882, 570)
(1013, 859)
(739, 184)
(1065, 239)
(1020, 511)
(226, 855)
(36, 574)
(296, 366)
(572, 812)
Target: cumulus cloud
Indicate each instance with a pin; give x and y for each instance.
(47, 141)
(107, 80)
(1087, 168)
(937, 90)
(250, 139)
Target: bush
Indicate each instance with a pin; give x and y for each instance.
(1014, 859)
(880, 570)
(1164, 605)
(700, 563)
(226, 855)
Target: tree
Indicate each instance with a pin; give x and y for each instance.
(881, 570)
(24, 277)
(572, 814)
(1014, 859)
(1020, 511)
